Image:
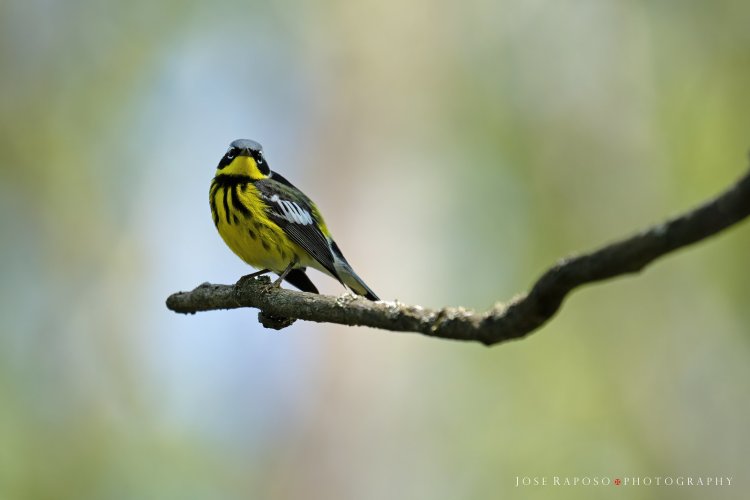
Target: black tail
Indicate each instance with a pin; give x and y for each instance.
(298, 279)
(348, 277)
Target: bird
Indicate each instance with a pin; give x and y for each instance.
(272, 225)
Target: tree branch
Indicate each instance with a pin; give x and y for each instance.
(522, 315)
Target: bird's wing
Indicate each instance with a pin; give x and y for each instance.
(296, 215)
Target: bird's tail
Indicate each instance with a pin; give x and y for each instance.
(348, 277)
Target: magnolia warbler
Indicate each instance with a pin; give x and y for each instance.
(272, 225)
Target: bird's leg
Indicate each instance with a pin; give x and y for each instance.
(269, 320)
(281, 277)
(252, 276)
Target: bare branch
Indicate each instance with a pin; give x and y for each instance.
(513, 320)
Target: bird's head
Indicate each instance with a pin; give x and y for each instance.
(245, 158)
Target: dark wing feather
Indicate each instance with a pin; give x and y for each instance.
(292, 211)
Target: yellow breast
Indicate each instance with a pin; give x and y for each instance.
(240, 217)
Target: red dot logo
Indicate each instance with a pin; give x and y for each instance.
(618, 482)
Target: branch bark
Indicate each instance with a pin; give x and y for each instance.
(513, 320)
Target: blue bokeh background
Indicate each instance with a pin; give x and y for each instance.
(456, 151)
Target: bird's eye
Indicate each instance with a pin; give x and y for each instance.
(262, 165)
(227, 158)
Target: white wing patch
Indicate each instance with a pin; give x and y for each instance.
(292, 212)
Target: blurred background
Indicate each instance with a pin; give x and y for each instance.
(456, 150)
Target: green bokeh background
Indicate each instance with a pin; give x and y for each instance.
(457, 149)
